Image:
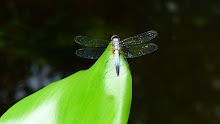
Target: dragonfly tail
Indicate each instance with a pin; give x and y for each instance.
(117, 61)
(117, 70)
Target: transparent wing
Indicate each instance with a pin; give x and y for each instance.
(139, 50)
(90, 42)
(90, 53)
(141, 38)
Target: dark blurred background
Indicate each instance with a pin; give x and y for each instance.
(177, 84)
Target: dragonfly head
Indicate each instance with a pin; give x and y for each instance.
(115, 39)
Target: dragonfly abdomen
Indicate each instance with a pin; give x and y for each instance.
(117, 61)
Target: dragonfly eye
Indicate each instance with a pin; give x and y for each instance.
(115, 37)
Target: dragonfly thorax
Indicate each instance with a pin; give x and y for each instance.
(115, 41)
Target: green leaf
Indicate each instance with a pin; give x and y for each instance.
(93, 96)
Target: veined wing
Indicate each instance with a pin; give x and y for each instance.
(141, 38)
(139, 50)
(90, 42)
(90, 53)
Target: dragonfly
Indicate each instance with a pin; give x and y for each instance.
(132, 47)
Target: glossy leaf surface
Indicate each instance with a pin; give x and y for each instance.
(93, 96)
